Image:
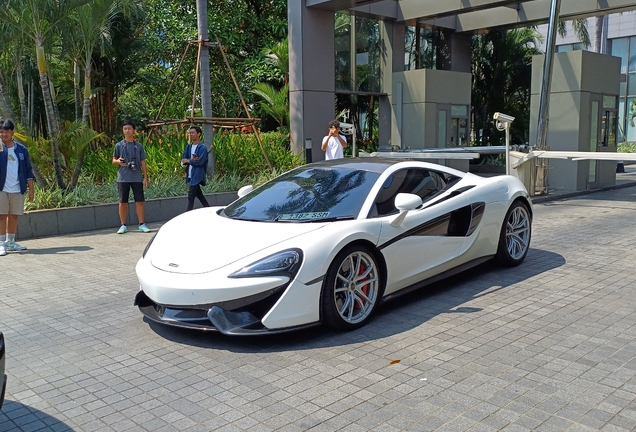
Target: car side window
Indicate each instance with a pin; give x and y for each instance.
(417, 181)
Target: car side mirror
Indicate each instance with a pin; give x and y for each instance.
(405, 202)
(245, 190)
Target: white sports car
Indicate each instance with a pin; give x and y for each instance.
(328, 242)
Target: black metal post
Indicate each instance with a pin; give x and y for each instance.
(308, 155)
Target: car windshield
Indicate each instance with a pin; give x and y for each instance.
(307, 194)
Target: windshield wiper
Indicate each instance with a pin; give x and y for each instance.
(326, 219)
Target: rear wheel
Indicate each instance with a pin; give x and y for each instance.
(514, 239)
(351, 288)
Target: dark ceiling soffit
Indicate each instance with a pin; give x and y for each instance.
(455, 22)
(393, 9)
(338, 5)
(446, 14)
(442, 9)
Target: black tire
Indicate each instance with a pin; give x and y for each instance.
(514, 238)
(351, 289)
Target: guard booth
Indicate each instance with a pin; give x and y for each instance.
(430, 109)
(583, 116)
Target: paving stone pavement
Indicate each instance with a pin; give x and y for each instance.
(547, 346)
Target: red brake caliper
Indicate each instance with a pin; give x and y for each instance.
(365, 289)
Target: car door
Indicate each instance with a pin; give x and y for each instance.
(430, 237)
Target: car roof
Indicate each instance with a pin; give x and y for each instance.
(378, 165)
(381, 164)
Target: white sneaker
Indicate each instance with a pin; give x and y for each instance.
(122, 229)
(3, 251)
(143, 228)
(11, 245)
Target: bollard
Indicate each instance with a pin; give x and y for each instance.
(308, 155)
(620, 167)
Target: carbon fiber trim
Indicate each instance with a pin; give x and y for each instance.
(458, 223)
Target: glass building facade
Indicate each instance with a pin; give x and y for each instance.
(357, 49)
(625, 49)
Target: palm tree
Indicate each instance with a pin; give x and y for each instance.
(74, 137)
(92, 25)
(580, 30)
(5, 101)
(278, 55)
(92, 30)
(40, 19)
(501, 79)
(274, 102)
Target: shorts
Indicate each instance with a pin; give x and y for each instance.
(124, 191)
(11, 203)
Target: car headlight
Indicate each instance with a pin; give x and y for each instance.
(282, 263)
(143, 255)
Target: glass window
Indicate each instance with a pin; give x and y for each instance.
(609, 102)
(462, 132)
(306, 194)
(343, 52)
(459, 110)
(631, 84)
(441, 128)
(630, 131)
(623, 88)
(570, 47)
(368, 44)
(410, 48)
(417, 181)
(593, 140)
(454, 126)
(632, 54)
(619, 49)
(420, 48)
(621, 120)
(612, 128)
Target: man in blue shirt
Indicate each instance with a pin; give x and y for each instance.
(16, 175)
(195, 157)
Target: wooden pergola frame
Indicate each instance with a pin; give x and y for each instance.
(222, 122)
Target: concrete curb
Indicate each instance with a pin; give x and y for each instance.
(53, 222)
(564, 195)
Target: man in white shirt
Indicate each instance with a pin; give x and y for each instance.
(333, 143)
(16, 176)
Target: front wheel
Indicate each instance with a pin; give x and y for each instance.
(514, 239)
(351, 289)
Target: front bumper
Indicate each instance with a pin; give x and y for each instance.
(237, 317)
(3, 388)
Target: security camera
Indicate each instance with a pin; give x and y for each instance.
(503, 118)
(346, 128)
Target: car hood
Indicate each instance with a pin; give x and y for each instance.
(201, 241)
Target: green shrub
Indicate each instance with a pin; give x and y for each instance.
(239, 161)
(240, 154)
(89, 192)
(235, 153)
(627, 147)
